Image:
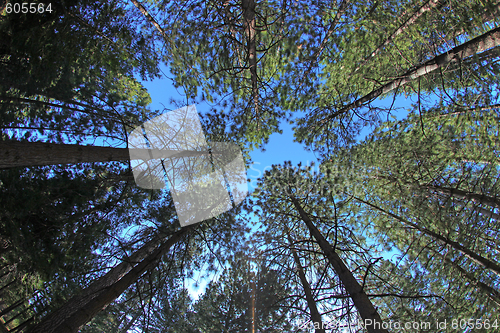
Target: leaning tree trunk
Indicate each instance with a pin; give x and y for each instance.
(311, 303)
(25, 154)
(361, 301)
(479, 44)
(490, 292)
(78, 311)
(478, 259)
(465, 195)
(408, 23)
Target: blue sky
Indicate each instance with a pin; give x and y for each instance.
(280, 148)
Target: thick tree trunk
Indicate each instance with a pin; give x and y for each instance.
(465, 195)
(25, 154)
(478, 259)
(479, 44)
(80, 309)
(311, 303)
(366, 310)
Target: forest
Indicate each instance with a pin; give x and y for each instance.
(393, 229)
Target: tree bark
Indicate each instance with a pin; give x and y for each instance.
(311, 303)
(465, 195)
(366, 310)
(24, 154)
(80, 309)
(478, 259)
(248, 7)
(479, 44)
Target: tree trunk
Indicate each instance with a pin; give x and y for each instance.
(412, 19)
(479, 44)
(153, 22)
(131, 322)
(248, 7)
(80, 309)
(25, 154)
(491, 292)
(464, 195)
(367, 311)
(311, 303)
(478, 259)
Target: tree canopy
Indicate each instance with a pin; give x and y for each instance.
(395, 224)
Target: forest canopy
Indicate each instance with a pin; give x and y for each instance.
(393, 229)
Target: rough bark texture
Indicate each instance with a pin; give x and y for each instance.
(80, 309)
(479, 44)
(25, 154)
(311, 303)
(478, 259)
(361, 301)
(248, 7)
(465, 195)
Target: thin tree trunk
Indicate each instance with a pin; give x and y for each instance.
(331, 29)
(80, 309)
(361, 301)
(152, 20)
(485, 212)
(491, 292)
(25, 154)
(479, 44)
(130, 323)
(311, 303)
(412, 19)
(478, 259)
(479, 108)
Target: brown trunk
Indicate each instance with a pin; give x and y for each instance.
(101, 292)
(311, 303)
(465, 195)
(479, 44)
(478, 259)
(25, 154)
(366, 310)
(248, 7)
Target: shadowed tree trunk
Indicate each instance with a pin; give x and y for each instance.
(25, 154)
(465, 195)
(81, 309)
(478, 259)
(311, 303)
(248, 7)
(492, 293)
(479, 44)
(361, 301)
